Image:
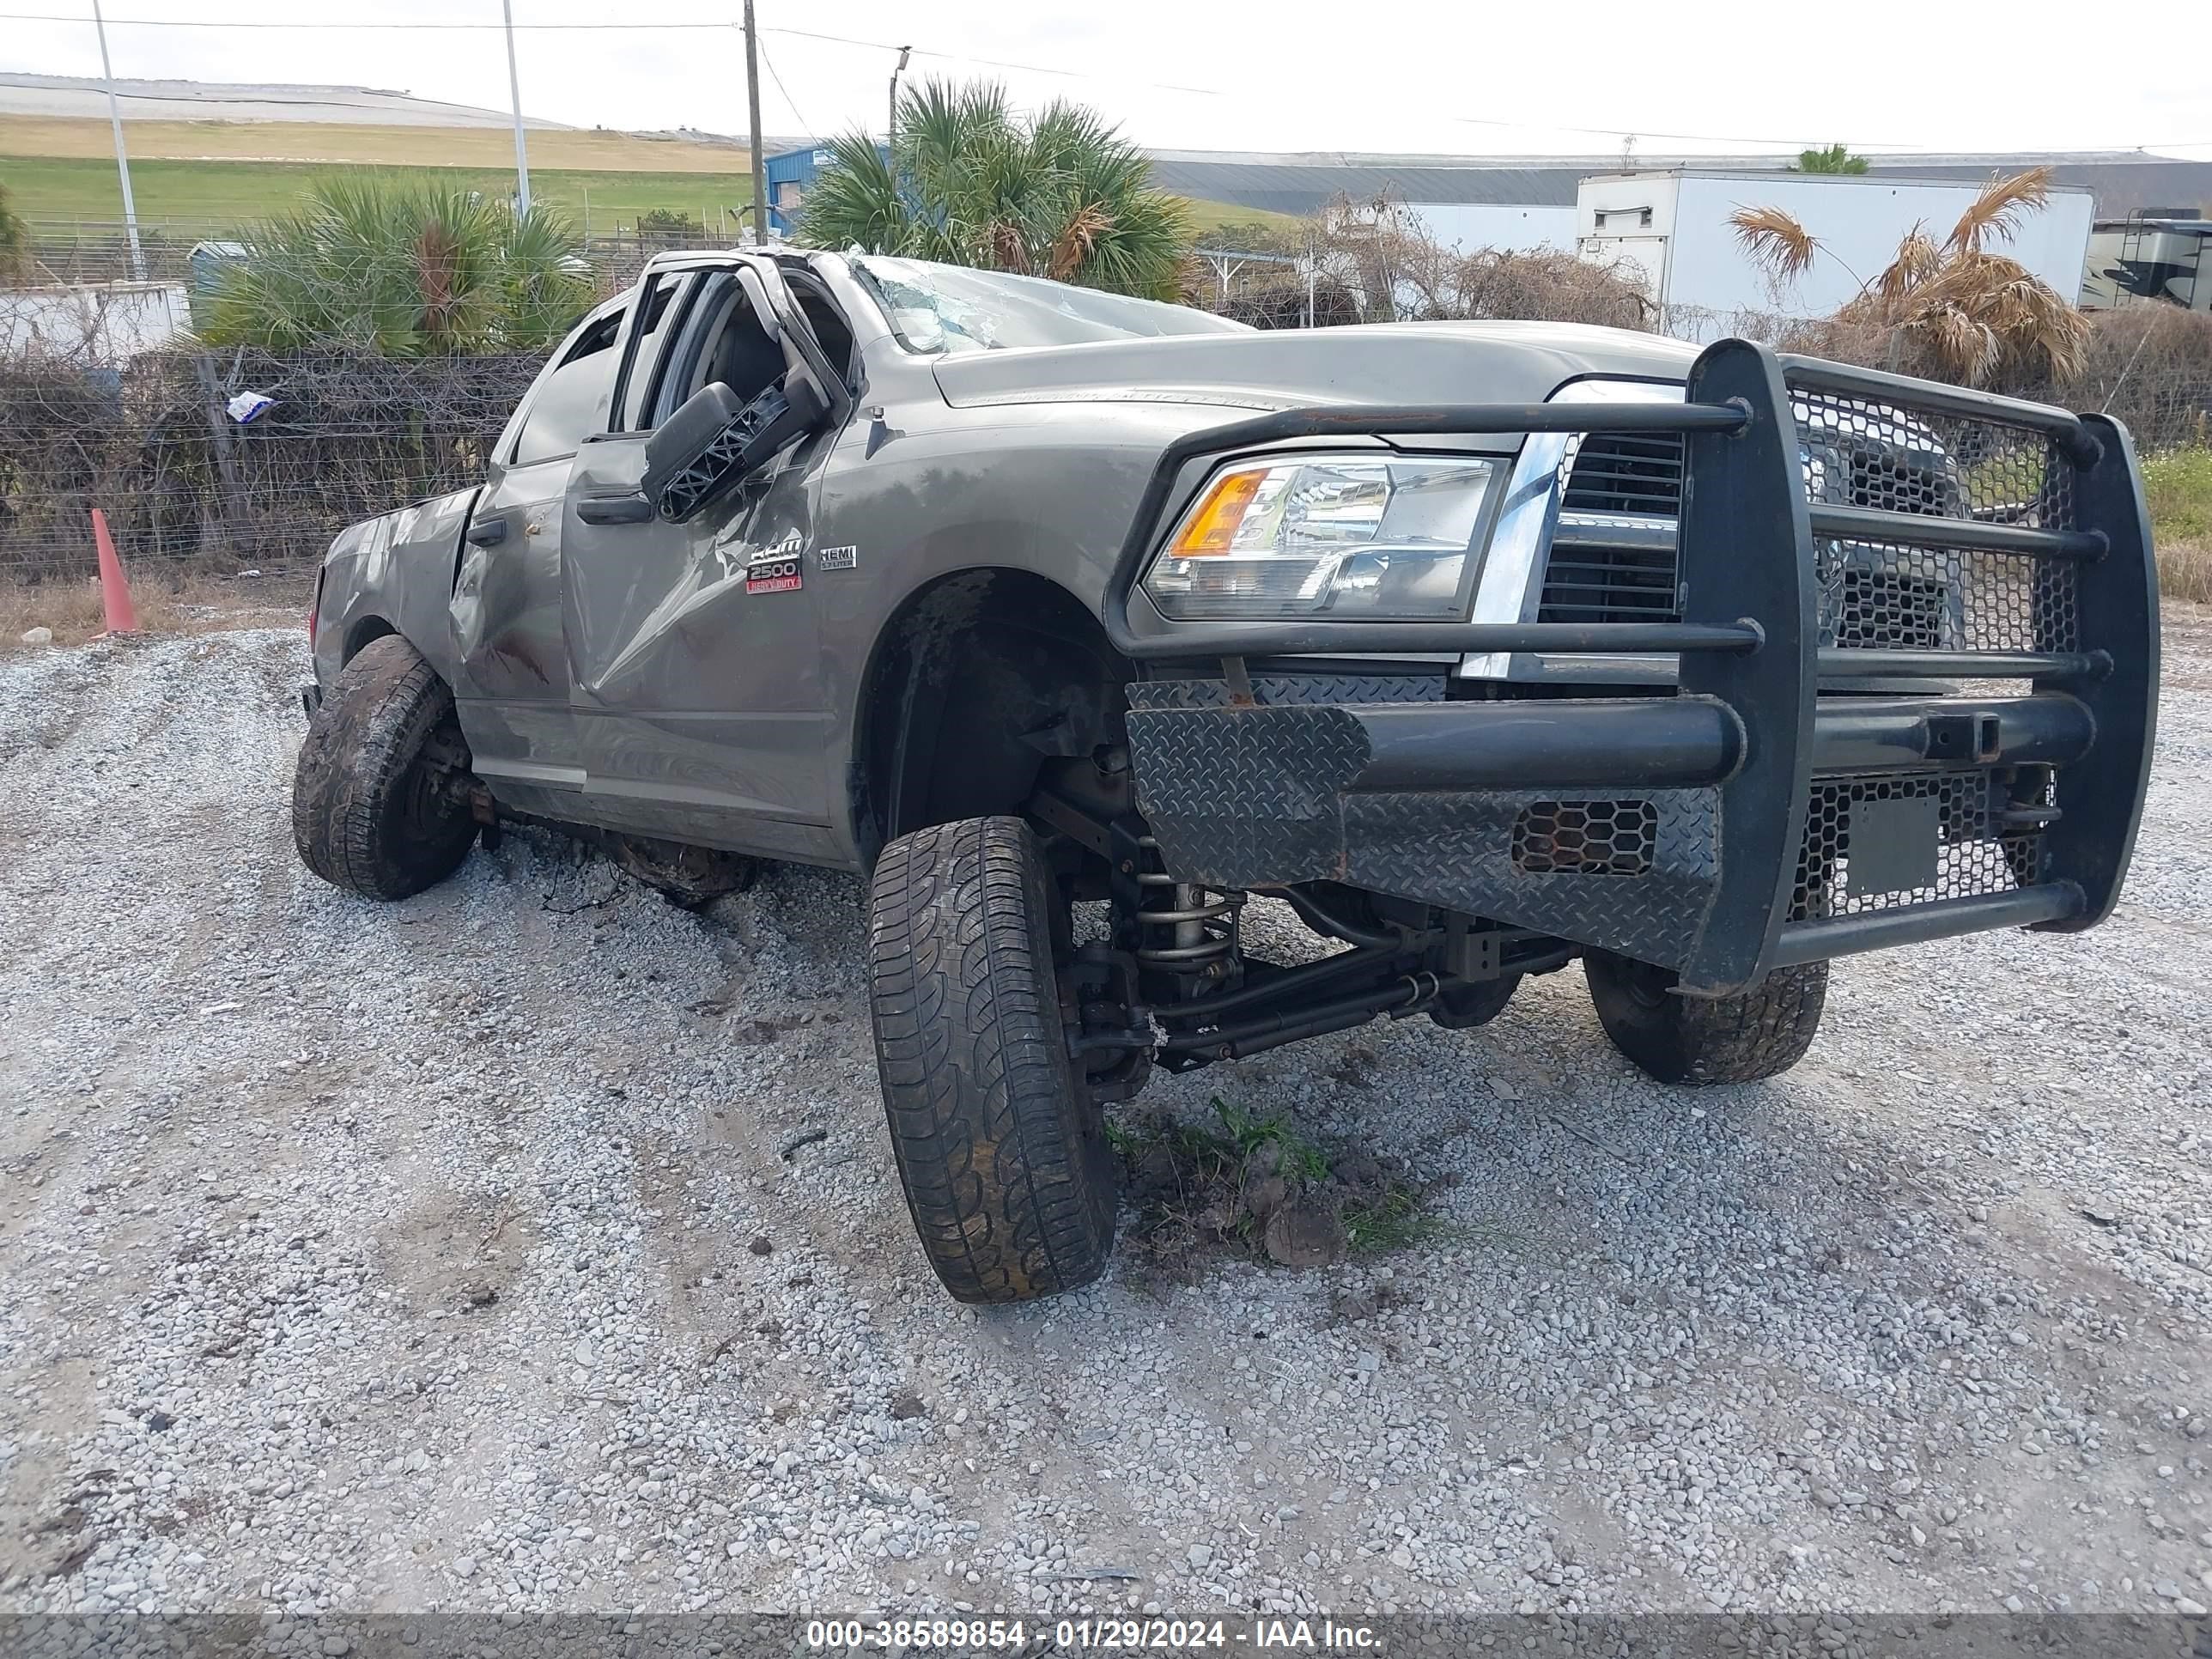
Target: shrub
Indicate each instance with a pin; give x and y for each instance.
(402, 268)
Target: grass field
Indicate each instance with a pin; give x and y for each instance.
(211, 175)
(219, 194)
(2178, 487)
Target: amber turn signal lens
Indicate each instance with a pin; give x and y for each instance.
(1212, 528)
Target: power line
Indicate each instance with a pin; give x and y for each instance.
(399, 26)
(286, 23)
(998, 63)
(799, 115)
(1680, 137)
(394, 25)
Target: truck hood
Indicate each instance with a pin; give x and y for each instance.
(1293, 368)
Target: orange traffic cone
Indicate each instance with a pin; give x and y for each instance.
(114, 591)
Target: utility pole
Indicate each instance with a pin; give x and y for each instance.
(514, 95)
(890, 127)
(122, 160)
(752, 100)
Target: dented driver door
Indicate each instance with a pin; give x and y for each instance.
(510, 674)
(693, 655)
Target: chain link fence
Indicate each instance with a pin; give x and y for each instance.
(107, 402)
(151, 444)
(144, 435)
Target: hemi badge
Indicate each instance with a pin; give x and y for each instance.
(837, 558)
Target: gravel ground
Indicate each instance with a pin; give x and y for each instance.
(458, 1254)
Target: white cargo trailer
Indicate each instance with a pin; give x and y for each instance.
(1674, 226)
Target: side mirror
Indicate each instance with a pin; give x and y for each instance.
(714, 440)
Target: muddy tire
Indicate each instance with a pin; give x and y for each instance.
(1003, 1157)
(371, 811)
(1759, 1033)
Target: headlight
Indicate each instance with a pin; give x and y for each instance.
(1365, 536)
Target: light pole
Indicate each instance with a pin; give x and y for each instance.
(122, 160)
(514, 95)
(890, 127)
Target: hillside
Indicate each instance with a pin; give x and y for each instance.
(205, 177)
(76, 138)
(149, 100)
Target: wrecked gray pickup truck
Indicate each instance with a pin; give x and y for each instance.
(1482, 647)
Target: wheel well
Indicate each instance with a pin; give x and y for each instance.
(363, 630)
(974, 684)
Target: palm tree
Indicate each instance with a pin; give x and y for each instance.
(405, 269)
(1836, 158)
(1967, 312)
(968, 182)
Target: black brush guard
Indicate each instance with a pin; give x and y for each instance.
(1748, 822)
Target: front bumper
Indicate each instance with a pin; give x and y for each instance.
(1747, 822)
(1600, 820)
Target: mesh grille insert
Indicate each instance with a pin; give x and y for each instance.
(1585, 837)
(1899, 460)
(1892, 596)
(1977, 851)
(1874, 596)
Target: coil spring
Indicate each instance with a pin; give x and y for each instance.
(1196, 928)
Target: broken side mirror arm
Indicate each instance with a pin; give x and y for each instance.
(714, 441)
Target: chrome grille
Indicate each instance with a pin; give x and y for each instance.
(1613, 553)
(1631, 472)
(1602, 583)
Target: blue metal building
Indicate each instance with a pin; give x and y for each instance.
(790, 176)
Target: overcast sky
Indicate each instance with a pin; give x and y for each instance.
(1268, 75)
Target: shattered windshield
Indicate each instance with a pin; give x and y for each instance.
(948, 308)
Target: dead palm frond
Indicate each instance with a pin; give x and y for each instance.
(1966, 348)
(1076, 240)
(1775, 240)
(1918, 260)
(1009, 248)
(2022, 312)
(1968, 312)
(1998, 211)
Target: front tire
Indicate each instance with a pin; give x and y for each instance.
(1002, 1155)
(375, 808)
(1756, 1034)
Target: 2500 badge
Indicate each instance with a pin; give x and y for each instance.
(775, 569)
